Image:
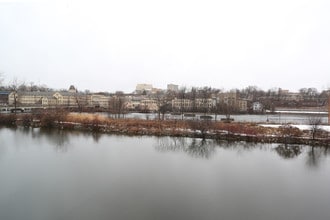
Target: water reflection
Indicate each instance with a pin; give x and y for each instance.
(240, 146)
(315, 156)
(272, 118)
(62, 141)
(203, 148)
(124, 177)
(198, 148)
(96, 136)
(288, 151)
(58, 138)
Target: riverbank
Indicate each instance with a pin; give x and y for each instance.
(234, 131)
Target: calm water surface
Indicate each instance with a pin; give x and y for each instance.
(259, 118)
(71, 175)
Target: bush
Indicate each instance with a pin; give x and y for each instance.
(289, 131)
(8, 119)
(27, 120)
(96, 124)
(51, 118)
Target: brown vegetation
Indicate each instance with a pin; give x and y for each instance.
(183, 128)
(8, 120)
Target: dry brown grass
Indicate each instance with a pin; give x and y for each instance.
(173, 125)
(132, 125)
(84, 117)
(209, 129)
(166, 127)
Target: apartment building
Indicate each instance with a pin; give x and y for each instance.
(141, 88)
(229, 98)
(242, 105)
(98, 100)
(4, 98)
(172, 87)
(181, 104)
(149, 105)
(43, 99)
(70, 99)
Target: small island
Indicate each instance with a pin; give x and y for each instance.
(314, 134)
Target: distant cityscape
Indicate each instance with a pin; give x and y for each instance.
(147, 98)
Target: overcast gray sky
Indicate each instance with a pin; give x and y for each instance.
(105, 45)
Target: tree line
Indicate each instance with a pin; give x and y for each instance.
(199, 98)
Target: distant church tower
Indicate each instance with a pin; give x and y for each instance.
(72, 89)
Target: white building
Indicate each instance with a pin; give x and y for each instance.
(172, 87)
(202, 104)
(98, 100)
(140, 88)
(257, 107)
(149, 105)
(132, 103)
(242, 105)
(67, 99)
(181, 104)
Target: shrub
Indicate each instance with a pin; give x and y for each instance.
(27, 120)
(96, 124)
(50, 118)
(8, 119)
(289, 131)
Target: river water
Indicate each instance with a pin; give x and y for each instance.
(279, 118)
(54, 175)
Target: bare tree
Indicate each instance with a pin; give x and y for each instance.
(1, 79)
(228, 110)
(193, 97)
(81, 100)
(33, 87)
(315, 122)
(182, 97)
(116, 106)
(14, 87)
(23, 87)
(205, 95)
(162, 104)
(202, 126)
(216, 109)
(308, 93)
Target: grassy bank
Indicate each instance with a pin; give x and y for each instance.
(234, 131)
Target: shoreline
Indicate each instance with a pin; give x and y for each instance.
(206, 129)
